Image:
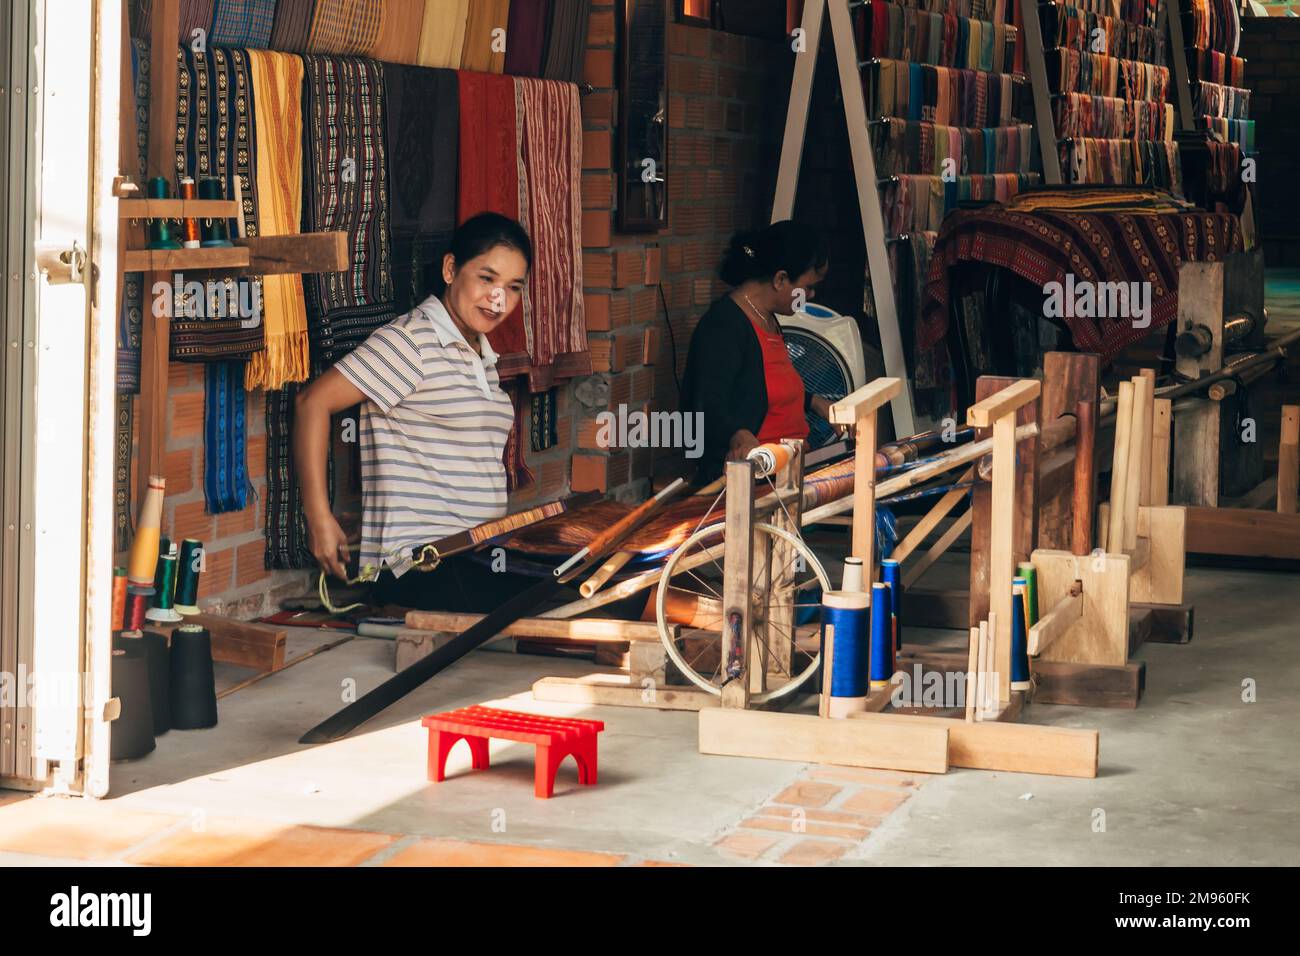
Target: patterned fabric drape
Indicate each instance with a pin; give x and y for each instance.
(484, 48)
(399, 33)
(292, 25)
(442, 34)
(243, 23)
(225, 473)
(344, 27)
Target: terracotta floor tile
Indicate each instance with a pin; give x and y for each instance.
(817, 829)
(748, 845)
(878, 778)
(805, 793)
(257, 843)
(75, 828)
(877, 802)
(813, 853)
(461, 853)
(822, 816)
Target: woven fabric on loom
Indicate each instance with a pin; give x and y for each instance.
(422, 119)
(490, 182)
(485, 50)
(399, 33)
(243, 23)
(292, 25)
(345, 188)
(344, 27)
(277, 92)
(551, 151)
(1043, 245)
(442, 34)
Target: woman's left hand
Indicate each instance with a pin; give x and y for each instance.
(821, 406)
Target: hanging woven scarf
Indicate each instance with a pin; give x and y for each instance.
(286, 526)
(485, 49)
(225, 477)
(422, 119)
(344, 27)
(345, 188)
(442, 34)
(399, 33)
(243, 23)
(542, 421)
(552, 160)
(566, 40)
(527, 37)
(292, 25)
(277, 91)
(195, 15)
(131, 316)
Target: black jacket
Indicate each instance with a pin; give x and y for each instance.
(724, 381)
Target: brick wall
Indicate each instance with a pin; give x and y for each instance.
(726, 114)
(1269, 45)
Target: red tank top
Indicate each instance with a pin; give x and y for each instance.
(785, 391)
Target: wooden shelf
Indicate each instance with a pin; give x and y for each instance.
(177, 209)
(169, 260)
(308, 252)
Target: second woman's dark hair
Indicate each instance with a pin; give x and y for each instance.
(478, 234)
(785, 246)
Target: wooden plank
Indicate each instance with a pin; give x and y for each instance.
(984, 413)
(1002, 556)
(1160, 581)
(864, 498)
(1063, 615)
(1161, 432)
(1055, 682)
(1288, 460)
(621, 690)
(590, 630)
(175, 208)
(1242, 533)
(1147, 377)
(737, 582)
(169, 260)
(937, 550)
(885, 743)
(308, 252)
(780, 626)
(1139, 446)
(1120, 466)
(1196, 453)
(1007, 746)
(1101, 634)
(867, 399)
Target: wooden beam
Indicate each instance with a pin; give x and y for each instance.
(307, 252)
(1006, 746)
(864, 401)
(621, 690)
(1288, 460)
(937, 550)
(176, 208)
(1120, 467)
(1161, 427)
(1004, 402)
(584, 630)
(1243, 533)
(1056, 682)
(886, 745)
(171, 260)
(864, 497)
(931, 519)
(1064, 615)
(737, 583)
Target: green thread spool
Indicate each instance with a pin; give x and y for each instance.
(216, 232)
(1027, 571)
(161, 233)
(187, 580)
(165, 583)
(159, 188)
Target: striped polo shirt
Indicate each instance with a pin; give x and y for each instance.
(433, 429)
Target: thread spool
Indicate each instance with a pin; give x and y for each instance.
(137, 605)
(161, 234)
(846, 628)
(769, 459)
(145, 547)
(1019, 640)
(160, 680)
(193, 686)
(165, 589)
(852, 579)
(132, 735)
(891, 573)
(118, 622)
(187, 576)
(215, 231)
(882, 638)
(190, 237)
(1030, 574)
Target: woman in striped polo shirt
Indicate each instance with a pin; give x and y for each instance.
(434, 423)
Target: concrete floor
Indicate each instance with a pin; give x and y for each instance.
(1193, 776)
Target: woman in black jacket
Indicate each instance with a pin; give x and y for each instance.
(738, 372)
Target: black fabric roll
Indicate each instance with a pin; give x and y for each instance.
(132, 732)
(193, 687)
(160, 681)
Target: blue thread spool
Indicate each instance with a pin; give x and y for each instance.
(1019, 639)
(892, 574)
(845, 618)
(882, 637)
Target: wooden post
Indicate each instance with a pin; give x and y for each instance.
(1288, 460)
(781, 612)
(1148, 382)
(737, 579)
(1119, 468)
(999, 410)
(1085, 485)
(859, 410)
(1138, 438)
(1161, 423)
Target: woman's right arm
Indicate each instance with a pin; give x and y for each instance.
(311, 436)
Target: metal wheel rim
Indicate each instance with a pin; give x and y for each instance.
(665, 634)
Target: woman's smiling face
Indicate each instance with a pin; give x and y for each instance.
(483, 291)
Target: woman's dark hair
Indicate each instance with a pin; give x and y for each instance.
(786, 246)
(487, 230)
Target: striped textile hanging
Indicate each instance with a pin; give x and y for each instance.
(345, 27)
(225, 476)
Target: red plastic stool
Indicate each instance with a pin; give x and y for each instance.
(555, 737)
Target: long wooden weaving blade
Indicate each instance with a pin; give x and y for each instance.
(395, 688)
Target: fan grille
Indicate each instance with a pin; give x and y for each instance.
(823, 373)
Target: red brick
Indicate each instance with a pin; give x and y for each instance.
(876, 778)
(620, 311)
(186, 415)
(651, 342)
(620, 469)
(191, 520)
(232, 523)
(589, 473)
(598, 69)
(813, 853)
(595, 229)
(255, 452)
(600, 28)
(678, 38)
(674, 256)
(597, 270)
(596, 148)
(598, 109)
(219, 567)
(620, 390)
(629, 267)
(597, 191)
(645, 306)
(597, 311)
(588, 428)
(676, 112)
(628, 348)
(179, 375)
(552, 477)
(249, 563)
(604, 355)
(822, 816)
(178, 469)
(654, 257)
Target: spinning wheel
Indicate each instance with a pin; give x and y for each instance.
(782, 593)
